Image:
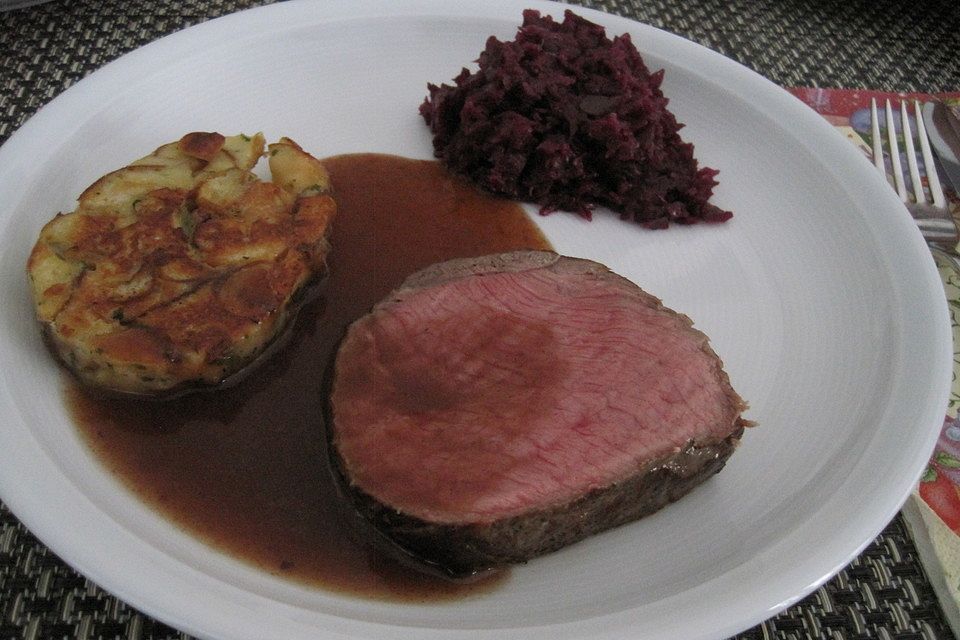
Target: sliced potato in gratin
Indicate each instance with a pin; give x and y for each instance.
(177, 271)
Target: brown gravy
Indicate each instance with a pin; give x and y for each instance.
(245, 468)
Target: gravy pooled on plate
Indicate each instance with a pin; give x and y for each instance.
(245, 468)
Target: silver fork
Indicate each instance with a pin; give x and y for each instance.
(932, 215)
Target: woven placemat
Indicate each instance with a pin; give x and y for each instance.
(883, 594)
(886, 45)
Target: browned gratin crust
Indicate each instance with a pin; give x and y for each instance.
(178, 270)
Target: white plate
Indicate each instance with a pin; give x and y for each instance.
(819, 295)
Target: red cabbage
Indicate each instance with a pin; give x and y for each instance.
(567, 118)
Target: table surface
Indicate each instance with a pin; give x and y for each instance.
(869, 44)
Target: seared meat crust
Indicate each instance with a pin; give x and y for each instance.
(178, 270)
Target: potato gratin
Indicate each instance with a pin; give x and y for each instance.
(178, 270)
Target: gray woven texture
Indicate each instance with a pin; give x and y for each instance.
(895, 46)
(858, 44)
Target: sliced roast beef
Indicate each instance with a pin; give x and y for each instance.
(494, 409)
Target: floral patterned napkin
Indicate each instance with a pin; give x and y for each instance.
(933, 510)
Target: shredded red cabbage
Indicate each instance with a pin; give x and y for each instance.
(567, 118)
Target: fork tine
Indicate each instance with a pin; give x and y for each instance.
(895, 155)
(875, 132)
(933, 179)
(911, 154)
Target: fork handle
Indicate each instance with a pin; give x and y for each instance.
(937, 229)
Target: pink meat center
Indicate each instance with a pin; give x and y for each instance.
(490, 396)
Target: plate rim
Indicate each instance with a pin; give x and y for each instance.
(186, 40)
